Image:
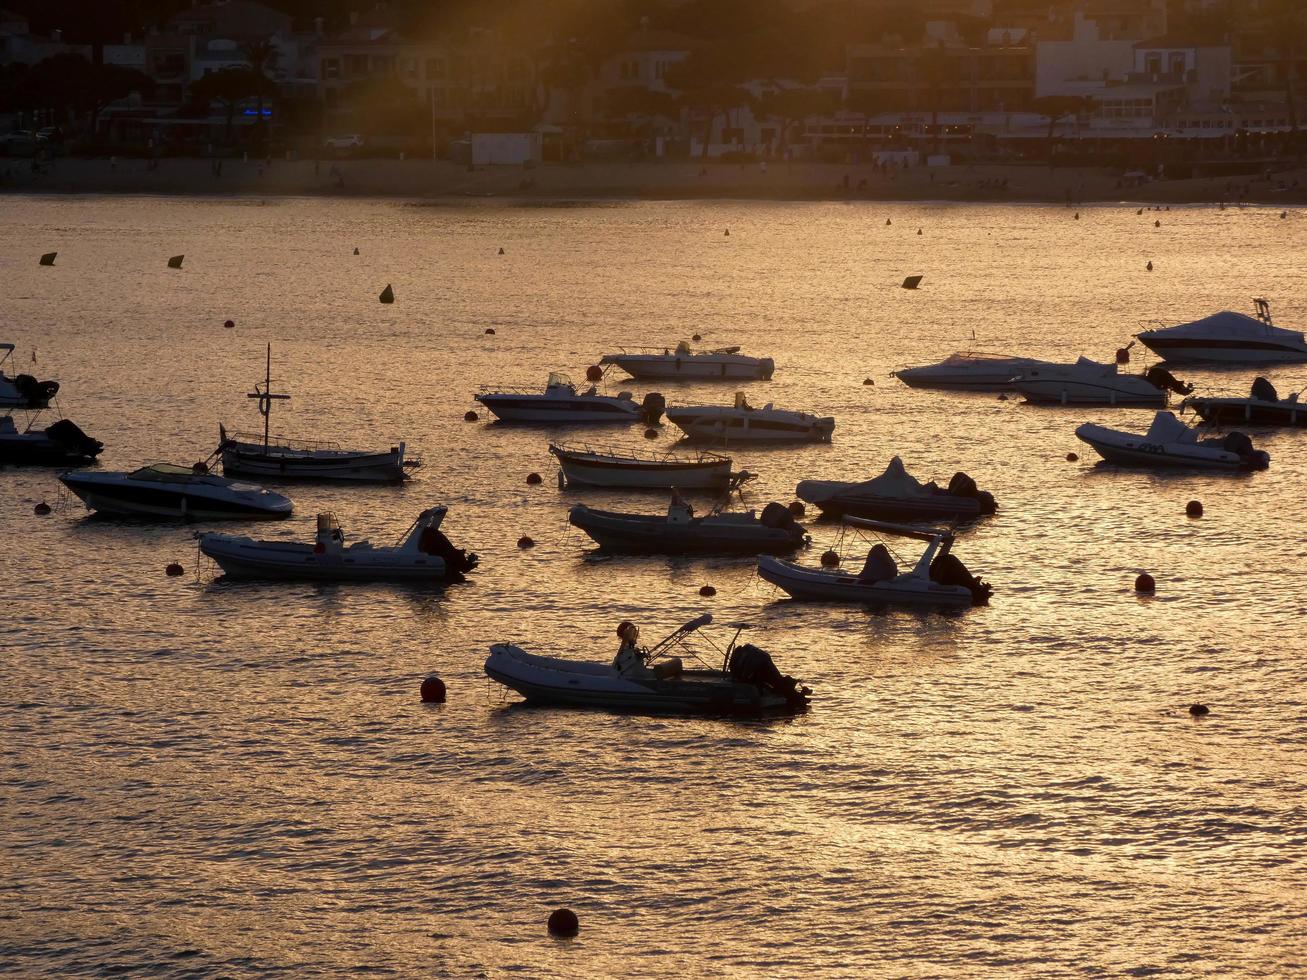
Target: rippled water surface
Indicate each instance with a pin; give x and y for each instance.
(206, 778)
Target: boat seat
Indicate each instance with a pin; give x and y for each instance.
(880, 565)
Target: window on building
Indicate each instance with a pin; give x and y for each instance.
(1153, 64)
(1177, 62)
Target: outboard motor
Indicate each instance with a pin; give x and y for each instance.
(1160, 377)
(37, 393)
(948, 569)
(749, 664)
(457, 560)
(1264, 391)
(67, 434)
(651, 409)
(963, 485)
(768, 366)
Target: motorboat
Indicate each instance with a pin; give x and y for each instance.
(422, 554)
(1088, 382)
(969, 371)
(1169, 443)
(60, 444)
(582, 466)
(561, 403)
(23, 390)
(742, 422)
(938, 578)
(164, 490)
(896, 495)
(1263, 406)
(685, 363)
(1229, 338)
(775, 532)
(650, 679)
(281, 459)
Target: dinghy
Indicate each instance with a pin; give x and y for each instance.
(177, 492)
(680, 532)
(422, 554)
(937, 579)
(742, 422)
(1169, 442)
(641, 679)
(561, 403)
(896, 495)
(1263, 406)
(59, 444)
(280, 459)
(582, 466)
(685, 363)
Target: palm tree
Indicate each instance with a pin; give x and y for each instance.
(262, 54)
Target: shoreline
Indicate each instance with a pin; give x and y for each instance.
(646, 181)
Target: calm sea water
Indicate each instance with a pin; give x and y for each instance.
(205, 778)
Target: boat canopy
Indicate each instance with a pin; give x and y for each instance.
(161, 471)
(1227, 323)
(896, 481)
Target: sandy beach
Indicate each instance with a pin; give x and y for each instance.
(647, 180)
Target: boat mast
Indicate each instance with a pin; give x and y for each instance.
(266, 398)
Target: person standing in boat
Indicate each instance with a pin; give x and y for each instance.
(678, 511)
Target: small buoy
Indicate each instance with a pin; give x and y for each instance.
(797, 508)
(387, 295)
(563, 922)
(1072, 458)
(229, 324)
(1194, 508)
(918, 231)
(594, 373)
(707, 592)
(356, 251)
(867, 381)
(1145, 583)
(651, 433)
(175, 262)
(433, 690)
(1149, 266)
(469, 416)
(48, 258)
(1284, 214)
(533, 479)
(1077, 215)
(501, 251)
(888, 222)
(728, 233)
(525, 542)
(174, 569)
(41, 509)
(830, 558)
(1140, 211)
(1123, 355)
(912, 282)
(697, 337)
(490, 331)
(1199, 710)
(1157, 223)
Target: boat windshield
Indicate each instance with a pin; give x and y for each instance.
(162, 471)
(557, 379)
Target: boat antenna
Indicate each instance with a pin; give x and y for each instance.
(266, 397)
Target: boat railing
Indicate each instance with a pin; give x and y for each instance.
(699, 456)
(519, 389)
(303, 445)
(669, 351)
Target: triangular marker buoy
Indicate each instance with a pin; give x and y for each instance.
(888, 222)
(501, 251)
(356, 251)
(1157, 223)
(175, 262)
(387, 295)
(728, 233)
(912, 282)
(918, 231)
(48, 258)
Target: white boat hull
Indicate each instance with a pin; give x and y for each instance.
(243, 459)
(1127, 449)
(756, 426)
(1123, 391)
(246, 559)
(173, 507)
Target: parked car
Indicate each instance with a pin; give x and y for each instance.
(21, 142)
(50, 134)
(349, 142)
